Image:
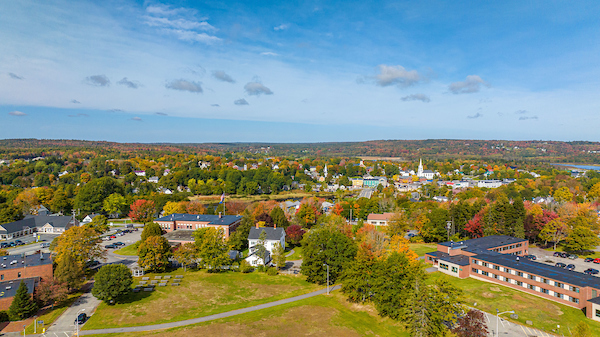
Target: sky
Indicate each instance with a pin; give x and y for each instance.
(299, 71)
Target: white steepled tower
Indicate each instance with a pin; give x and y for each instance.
(325, 171)
(420, 170)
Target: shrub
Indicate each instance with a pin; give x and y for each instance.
(261, 269)
(245, 267)
(4, 316)
(272, 271)
(417, 239)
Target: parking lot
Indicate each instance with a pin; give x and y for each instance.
(546, 257)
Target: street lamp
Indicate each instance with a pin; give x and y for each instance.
(326, 265)
(498, 313)
(24, 334)
(77, 321)
(35, 324)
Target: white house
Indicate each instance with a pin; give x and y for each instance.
(153, 180)
(489, 183)
(88, 218)
(379, 219)
(273, 235)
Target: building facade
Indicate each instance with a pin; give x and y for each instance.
(226, 223)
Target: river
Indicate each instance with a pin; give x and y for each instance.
(583, 167)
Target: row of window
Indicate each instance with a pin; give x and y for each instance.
(529, 276)
(528, 286)
(498, 250)
(2, 276)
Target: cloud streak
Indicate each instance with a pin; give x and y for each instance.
(222, 76)
(257, 89)
(524, 118)
(137, 119)
(128, 83)
(161, 113)
(472, 84)
(74, 101)
(269, 53)
(281, 27)
(188, 29)
(185, 85)
(15, 76)
(17, 113)
(417, 97)
(80, 115)
(98, 80)
(241, 101)
(477, 115)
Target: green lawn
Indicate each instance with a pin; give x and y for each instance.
(50, 315)
(200, 294)
(544, 314)
(297, 254)
(130, 250)
(317, 316)
(423, 248)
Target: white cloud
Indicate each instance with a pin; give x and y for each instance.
(215, 105)
(98, 80)
(185, 85)
(241, 101)
(521, 112)
(394, 75)
(137, 119)
(17, 113)
(160, 9)
(269, 53)
(179, 24)
(472, 84)
(256, 89)
(188, 28)
(191, 36)
(74, 101)
(524, 118)
(222, 76)
(281, 27)
(417, 97)
(161, 113)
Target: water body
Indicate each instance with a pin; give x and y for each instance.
(583, 167)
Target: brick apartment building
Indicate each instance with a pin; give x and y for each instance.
(30, 269)
(179, 221)
(499, 259)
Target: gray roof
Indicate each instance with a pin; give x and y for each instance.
(180, 235)
(28, 261)
(461, 260)
(272, 233)
(225, 220)
(9, 288)
(33, 221)
(484, 243)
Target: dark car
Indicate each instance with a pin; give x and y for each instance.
(19, 242)
(92, 263)
(3, 245)
(573, 256)
(591, 271)
(531, 257)
(571, 267)
(560, 265)
(565, 255)
(81, 318)
(556, 254)
(119, 243)
(112, 245)
(588, 259)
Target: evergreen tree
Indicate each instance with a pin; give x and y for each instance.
(260, 249)
(279, 256)
(279, 217)
(112, 281)
(22, 306)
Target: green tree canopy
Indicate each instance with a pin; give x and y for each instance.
(151, 229)
(91, 196)
(212, 249)
(326, 245)
(22, 306)
(154, 253)
(112, 282)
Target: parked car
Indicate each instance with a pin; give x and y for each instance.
(44, 244)
(19, 242)
(92, 263)
(113, 237)
(597, 260)
(81, 318)
(571, 267)
(591, 271)
(556, 254)
(531, 257)
(111, 246)
(4, 245)
(119, 243)
(573, 257)
(560, 265)
(588, 259)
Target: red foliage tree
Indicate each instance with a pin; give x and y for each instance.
(142, 210)
(475, 225)
(294, 234)
(534, 223)
(337, 209)
(195, 207)
(471, 325)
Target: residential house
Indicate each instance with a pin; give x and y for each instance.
(88, 218)
(274, 235)
(379, 219)
(153, 180)
(140, 173)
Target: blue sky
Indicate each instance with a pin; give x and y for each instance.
(309, 71)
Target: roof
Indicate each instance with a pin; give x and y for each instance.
(180, 235)
(461, 260)
(595, 300)
(484, 243)
(33, 221)
(9, 288)
(225, 220)
(29, 261)
(537, 268)
(272, 233)
(384, 216)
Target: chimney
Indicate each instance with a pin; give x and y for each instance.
(220, 216)
(275, 225)
(257, 225)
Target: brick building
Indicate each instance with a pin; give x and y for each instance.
(30, 269)
(179, 221)
(499, 259)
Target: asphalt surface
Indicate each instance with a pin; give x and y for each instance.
(366, 193)
(509, 329)
(546, 257)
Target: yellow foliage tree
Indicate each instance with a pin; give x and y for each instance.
(79, 243)
(172, 207)
(399, 244)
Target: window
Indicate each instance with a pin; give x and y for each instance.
(19, 274)
(594, 293)
(507, 279)
(558, 284)
(476, 271)
(531, 286)
(545, 291)
(475, 261)
(484, 264)
(545, 280)
(497, 267)
(2, 277)
(485, 273)
(444, 266)
(531, 277)
(429, 258)
(597, 313)
(575, 289)
(519, 283)
(518, 245)
(495, 276)
(574, 300)
(519, 274)
(454, 270)
(559, 295)
(507, 270)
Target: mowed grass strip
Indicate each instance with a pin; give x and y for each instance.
(544, 314)
(130, 250)
(200, 294)
(316, 316)
(423, 248)
(296, 256)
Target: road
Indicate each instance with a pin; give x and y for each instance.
(366, 193)
(509, 329)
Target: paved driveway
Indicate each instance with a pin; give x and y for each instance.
(546, 257)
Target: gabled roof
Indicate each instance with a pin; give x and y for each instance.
(8, 289)
(272, 233)
(384, 216)
(224, 220)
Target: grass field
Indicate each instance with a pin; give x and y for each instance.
(297, 254)
(316, 316)
(423, 248)
(130, 250)
(544, 314)
(50, 315)
(200, 294)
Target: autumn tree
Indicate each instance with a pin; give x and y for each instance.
(112, 282)
(91, 196)
(151, 229)
(114, 204)
(26, 200)
(154, 253)
(172, 207)
(212, 250)
(398, 224)
(81, 244)
(472, 324)
(186, 254)
(279, 218)
(294, 234)
(563, 195)
(195, 207)
(99, 224)
(51, 291)
(69, 271)
(554, 231)
(142, 210)
(266, 219)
